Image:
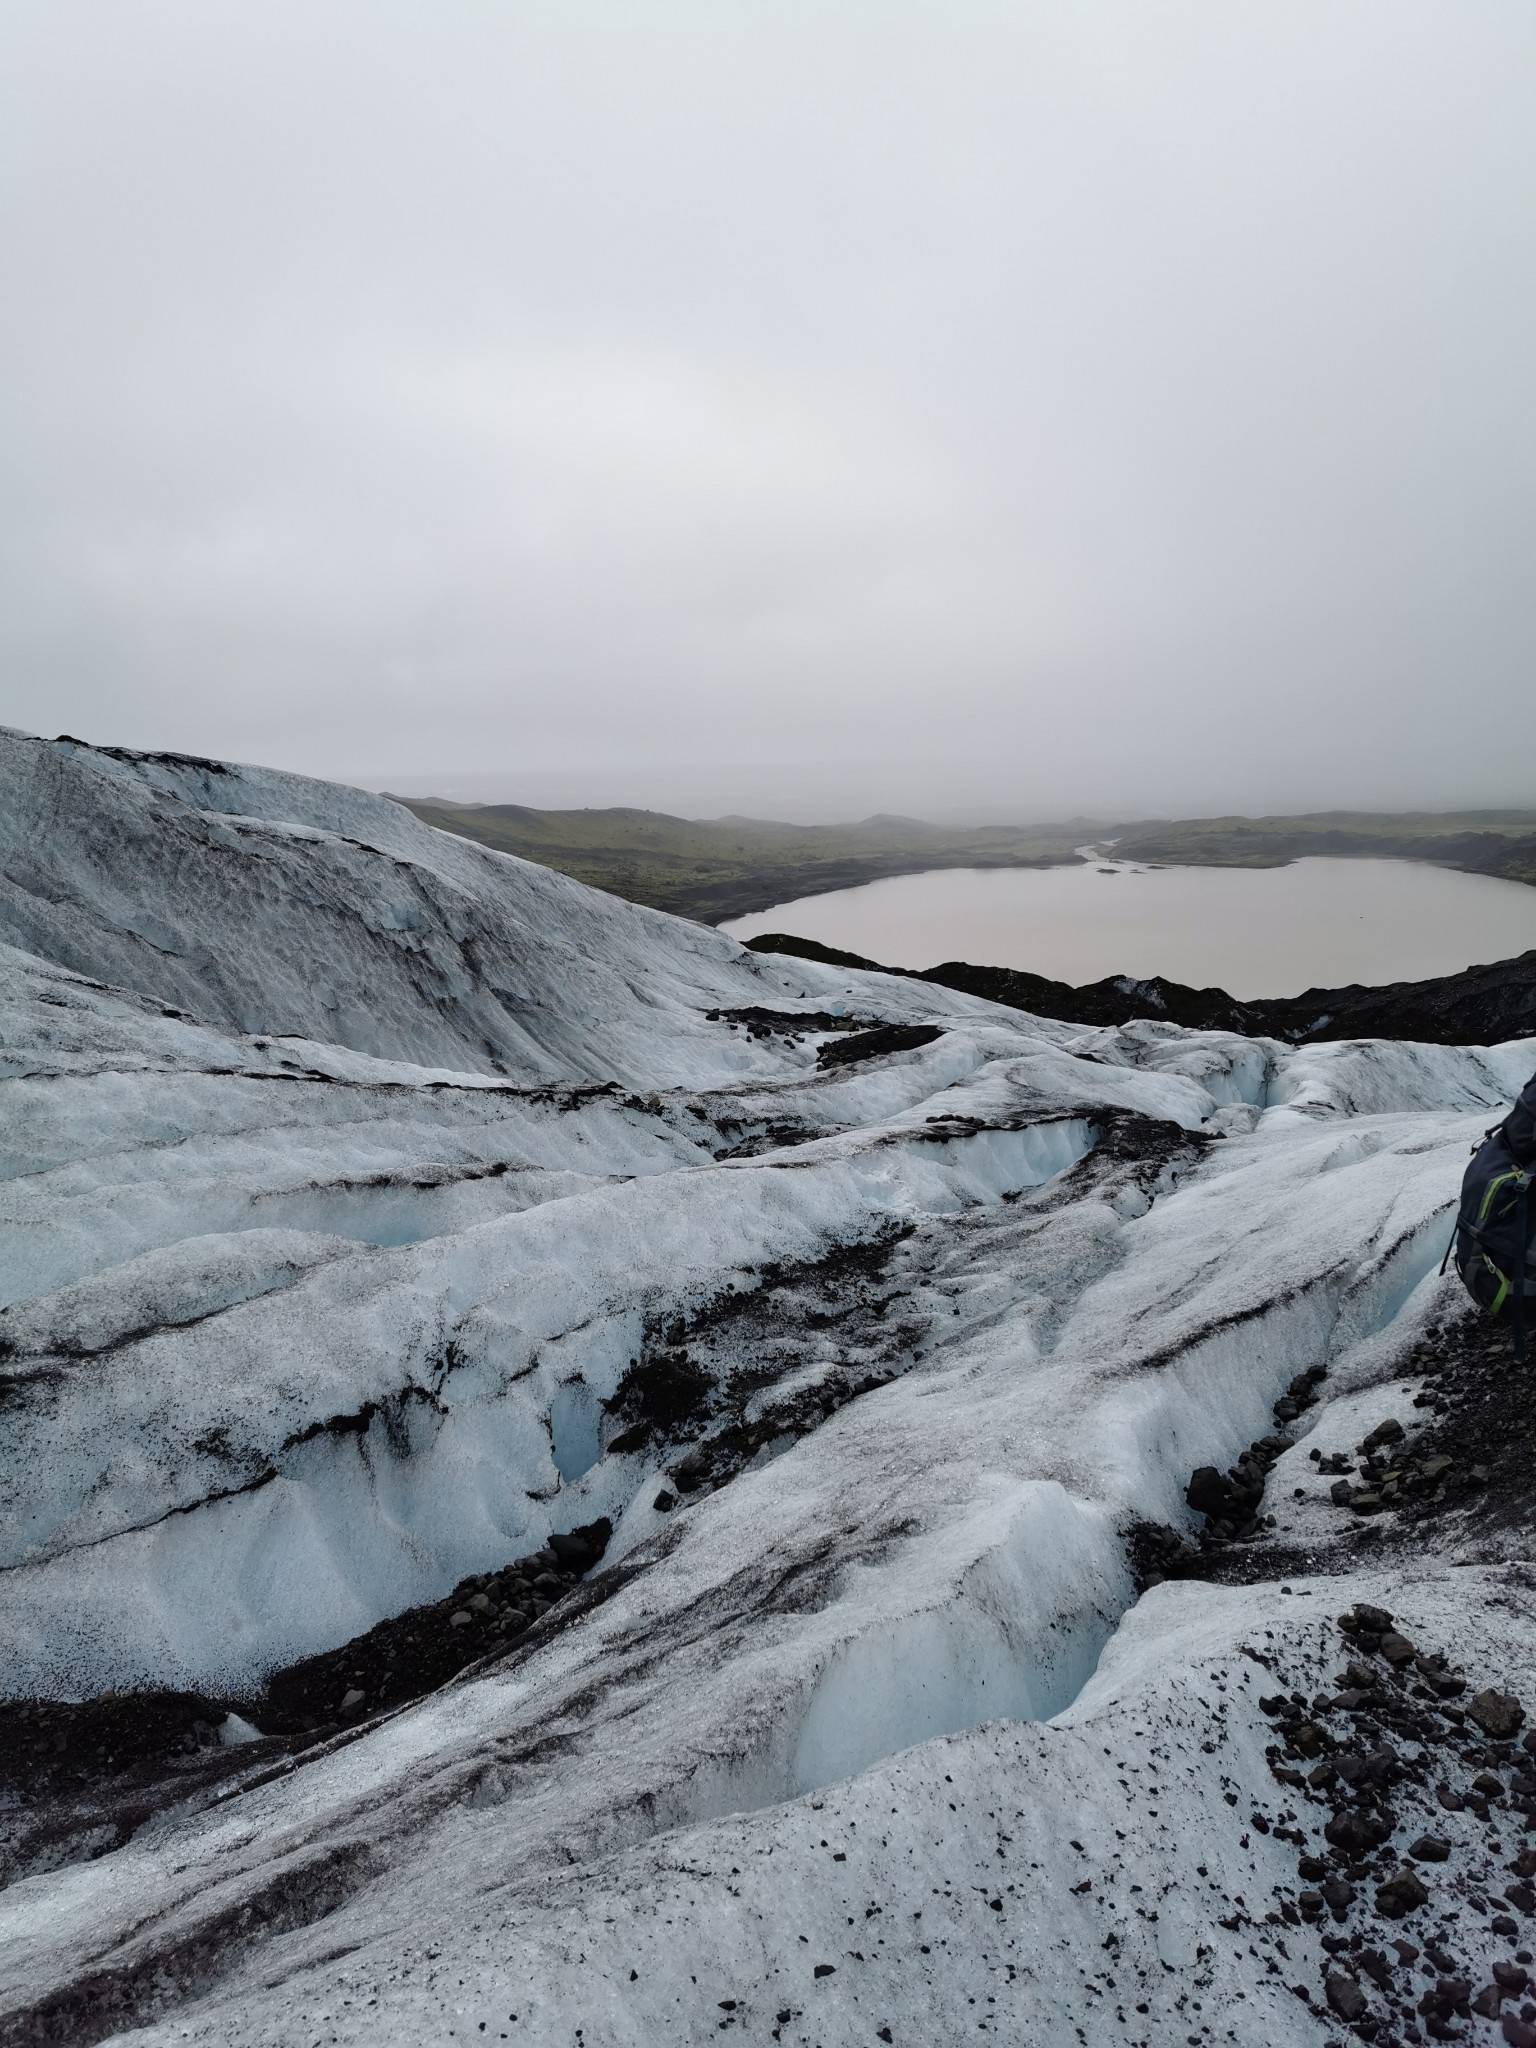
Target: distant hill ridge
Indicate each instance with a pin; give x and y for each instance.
(715, 869)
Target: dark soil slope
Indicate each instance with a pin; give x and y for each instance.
(1482, 1006)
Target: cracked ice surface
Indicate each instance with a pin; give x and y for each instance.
(347, 1167)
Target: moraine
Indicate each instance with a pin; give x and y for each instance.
(378, 1208)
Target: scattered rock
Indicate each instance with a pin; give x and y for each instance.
(1363, 1619)
(1498, 1714)
(1377, 1968)
(1344, 1995)
(868, 1045)
(579, 1549)
(1355, 1832)
(1402, 1893)
(1208, 1491)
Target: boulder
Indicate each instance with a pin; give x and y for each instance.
(1208, 1491)
(1430, 1849)
(1344, 1996)
(1499, 1714)
(1404, 1892)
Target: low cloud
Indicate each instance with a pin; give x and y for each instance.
(1023, 411)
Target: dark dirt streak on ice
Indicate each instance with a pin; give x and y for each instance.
(189, 1507)
(1332, 1282)
(127, 1988)
(135, 1988)
(130, 1988)
(12, 1361)
(131, 1992)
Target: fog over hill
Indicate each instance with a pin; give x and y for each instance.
(563, 1479)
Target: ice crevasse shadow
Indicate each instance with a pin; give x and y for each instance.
(1022, 1627)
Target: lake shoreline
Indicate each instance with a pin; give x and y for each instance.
(1485, 1005)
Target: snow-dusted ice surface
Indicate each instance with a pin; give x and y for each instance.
(345, 1167)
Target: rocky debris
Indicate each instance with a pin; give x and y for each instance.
(705, 1390)
(1344, 1995)
(869, 1045)
(1403, 1892)
(1393, 1469)
(762, 1134)
(716, 1459)
(659, 1395)
(1499, 1714)
(851, 1038)
(1301, 1394)
(1470, 1454)
(412, 1653)
(758, 1022)
(1229, 1501)
(1383, 1742)
(1132, 1153)
(1430, 1849)
(78, 1778)
(1415, 1796)
(1151, 1144)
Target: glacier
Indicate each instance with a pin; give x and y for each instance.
(347, 1169)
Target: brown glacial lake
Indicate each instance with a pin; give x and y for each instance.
(1251, 931)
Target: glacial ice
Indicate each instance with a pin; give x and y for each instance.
(346, 1169)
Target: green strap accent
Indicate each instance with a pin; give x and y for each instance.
(1493, 1188)
(1502, 1296)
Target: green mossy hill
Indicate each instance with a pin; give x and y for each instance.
(1501, 843)
(714, 869)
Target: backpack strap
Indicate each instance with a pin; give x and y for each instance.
(1519, 1127)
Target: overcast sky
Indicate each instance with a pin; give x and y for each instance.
(809, 408)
